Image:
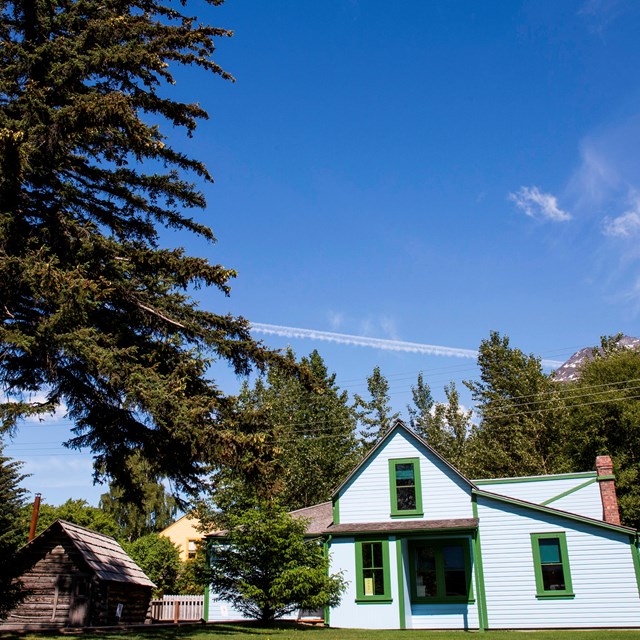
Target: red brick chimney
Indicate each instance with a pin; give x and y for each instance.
(606, 480)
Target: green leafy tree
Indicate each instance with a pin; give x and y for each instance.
(267, 569)
(95, 312)
(603, 417)
(159, 558)
(12, 497)
(77, 511)
(375, 414)
(193, 574)
(156, 511)
(520, 410)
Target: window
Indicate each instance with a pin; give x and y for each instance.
(372, 571)
(406, 490)
(192, 548)
(440, 571)
(551, 565)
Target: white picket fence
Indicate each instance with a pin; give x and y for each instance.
(177, 608)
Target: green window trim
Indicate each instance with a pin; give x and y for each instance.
(438, 545)
(557, 556)
(394, 471)
(366, 552)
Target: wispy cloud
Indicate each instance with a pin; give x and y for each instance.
(600, 13)
(626, 225)
(537, 204)
(336, 319)
(373, 343)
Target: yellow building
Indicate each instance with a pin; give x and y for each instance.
(185, 535)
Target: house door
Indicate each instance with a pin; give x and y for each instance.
(79, 609)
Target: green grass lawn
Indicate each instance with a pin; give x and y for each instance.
(300, 632)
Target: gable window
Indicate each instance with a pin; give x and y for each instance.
(406, 490)
(551, 565)
(440, 571)
(192, 548)
(372, 571)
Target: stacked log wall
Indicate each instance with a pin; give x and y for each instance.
(134, 598)
(50, 583)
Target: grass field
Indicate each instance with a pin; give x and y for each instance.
(299, 632)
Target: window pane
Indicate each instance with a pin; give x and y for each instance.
(377, 554)
(453, 557)
(367, 554)
(373, 582)
(553, 577)
(550, 550)
(455, 582)
(404, 474)
(425, 557)
(406, 497)
(426, 584)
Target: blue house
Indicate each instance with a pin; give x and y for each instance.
(423, 547)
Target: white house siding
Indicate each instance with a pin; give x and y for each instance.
(349, 613)
(444, 616)
(222, 611)
(585, 502)
(366, 497)
(539, 490)
(602, 572)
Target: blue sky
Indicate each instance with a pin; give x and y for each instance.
(413, 171)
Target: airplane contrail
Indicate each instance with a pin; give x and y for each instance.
(374, 343)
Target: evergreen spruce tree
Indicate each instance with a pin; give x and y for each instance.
(375, 414)
(422, 412)
(312, 428)
(445, 426)
(12, 536)
(267, 569)
(95, 313)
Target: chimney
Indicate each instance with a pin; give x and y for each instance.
(606, 480)
(34, 517)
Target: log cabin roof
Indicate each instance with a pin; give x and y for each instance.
(102, 553)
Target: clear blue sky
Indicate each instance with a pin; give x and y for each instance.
(414, 171)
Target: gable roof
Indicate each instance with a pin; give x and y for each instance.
(401, 426)
(320, 517)
(102, 553)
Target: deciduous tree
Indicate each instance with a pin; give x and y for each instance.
(159, 558)
(156, 511)
(78, 511)
(519, 409)
(603, 417)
